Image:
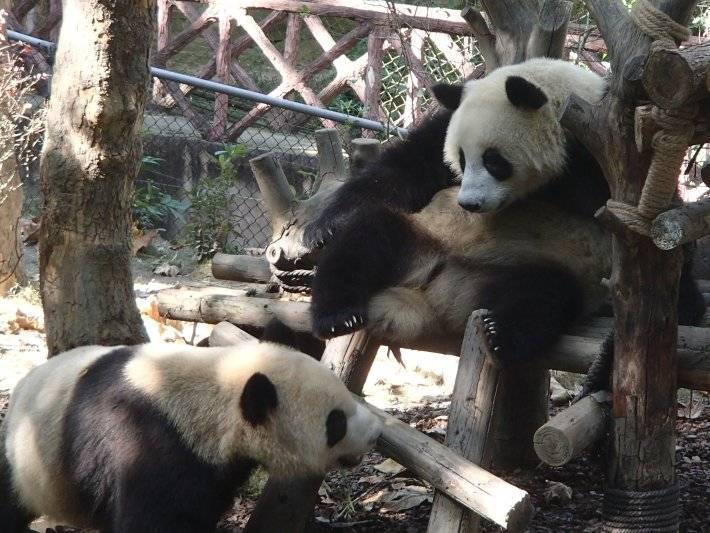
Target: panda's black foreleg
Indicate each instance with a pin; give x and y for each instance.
(370, 254)
(531, 307)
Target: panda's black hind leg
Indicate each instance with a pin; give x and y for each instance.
(531, 307)
(369, 255)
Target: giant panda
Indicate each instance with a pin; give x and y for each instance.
(501, 218)
(157, 438)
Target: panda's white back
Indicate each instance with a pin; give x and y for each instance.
(31, 440)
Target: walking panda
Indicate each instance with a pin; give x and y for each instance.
(405, 260)
(157, 438)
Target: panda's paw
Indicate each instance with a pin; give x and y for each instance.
(316, 235)
(342, 322)
(491, 336)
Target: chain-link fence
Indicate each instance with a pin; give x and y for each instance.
(177, 158)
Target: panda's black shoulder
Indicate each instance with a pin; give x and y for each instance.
(421, 150)
(581, 188)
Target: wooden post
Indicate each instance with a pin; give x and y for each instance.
(470, 415)
(224, 60)
(162, 40)
(373, 77)
(362, 151)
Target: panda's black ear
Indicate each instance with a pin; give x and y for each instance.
(522, 93)
(448, 95)
(258, 399)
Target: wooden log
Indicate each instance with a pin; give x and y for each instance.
(573, 430)
(681, 225)
(227, 334)
(485, 39)
(241, 267)
(574, 353)
(461, 480)
(675, 77)
(331, 165)
(362, 152)
(470, 417)
(293, 38)
(549, 34)
(274, 187)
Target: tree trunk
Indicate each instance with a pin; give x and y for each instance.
(90, 157)
(10, 191)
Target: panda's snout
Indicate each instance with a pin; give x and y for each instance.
(470, 205)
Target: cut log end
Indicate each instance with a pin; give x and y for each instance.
(573, 430)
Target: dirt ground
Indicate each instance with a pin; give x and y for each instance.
(380, 496)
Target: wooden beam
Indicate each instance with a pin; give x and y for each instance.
(224, 60)
(574, 353)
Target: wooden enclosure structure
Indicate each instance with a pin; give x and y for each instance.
(276, 28)
(640, 412)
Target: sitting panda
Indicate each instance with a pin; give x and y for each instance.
(406, 260)
(157, 438)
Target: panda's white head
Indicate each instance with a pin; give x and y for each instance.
(304, 416)
(505, 140)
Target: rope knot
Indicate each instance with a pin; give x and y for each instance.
(665, 32)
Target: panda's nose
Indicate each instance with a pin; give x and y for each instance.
(470, 205)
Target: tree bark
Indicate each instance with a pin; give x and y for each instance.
(89, 160)
(10, 184)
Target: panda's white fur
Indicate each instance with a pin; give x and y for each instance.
(526, 246)
(420, 306)
(532, 140)
(198, 390)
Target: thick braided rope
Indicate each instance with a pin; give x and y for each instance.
(630, 511)
(664, 31)
(670, 143)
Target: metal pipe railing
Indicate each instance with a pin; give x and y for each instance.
(238, 92)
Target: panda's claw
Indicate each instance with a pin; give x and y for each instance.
(328, 324)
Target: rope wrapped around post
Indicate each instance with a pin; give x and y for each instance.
(670, 142)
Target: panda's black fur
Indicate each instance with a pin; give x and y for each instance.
(117, 453)
(373, 245)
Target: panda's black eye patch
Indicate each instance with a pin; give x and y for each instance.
(462, 161)
(499, 167)
(336, 426)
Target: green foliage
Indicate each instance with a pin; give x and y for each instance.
(151, 206)
(212, 203)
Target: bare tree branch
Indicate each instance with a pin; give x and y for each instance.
(614, 23)
(549, 34)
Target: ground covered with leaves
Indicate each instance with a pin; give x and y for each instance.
(380, 495)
